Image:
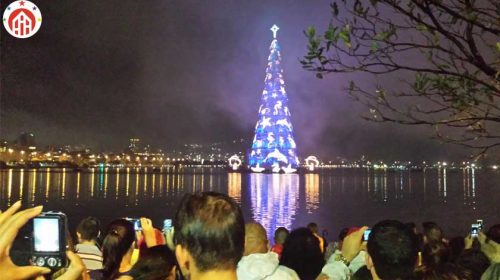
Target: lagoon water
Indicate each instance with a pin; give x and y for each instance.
(334, 199)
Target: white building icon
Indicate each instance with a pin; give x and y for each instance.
(21, 25)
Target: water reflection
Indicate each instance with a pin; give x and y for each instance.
(312, 192)
(234, 186)
(274, 199)
(469, 187)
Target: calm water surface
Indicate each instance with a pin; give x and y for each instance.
(334, 199)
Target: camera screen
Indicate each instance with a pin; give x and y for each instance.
(46, 234)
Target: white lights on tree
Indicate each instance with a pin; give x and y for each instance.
(274, 147)
(275, 29)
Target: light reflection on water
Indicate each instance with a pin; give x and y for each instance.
(334, 199)
(274, 199)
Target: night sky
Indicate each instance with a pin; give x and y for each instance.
(175, 72)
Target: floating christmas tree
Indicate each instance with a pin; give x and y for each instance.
(273, 147)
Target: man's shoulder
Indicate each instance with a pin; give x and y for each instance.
(87, 249)
(287, 273)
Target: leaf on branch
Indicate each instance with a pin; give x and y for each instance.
(311, 32)
(374, 46)
(472, 16)
(346, 37)
(421, 27)
(330, 33)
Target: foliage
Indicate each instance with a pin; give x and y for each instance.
(449, 49)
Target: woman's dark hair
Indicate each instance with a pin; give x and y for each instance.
(494, 233)
(301, 253)
(119, 237)
(457, 245)
(362, 274)
(474, 260)
(447, 271)
(156, 264)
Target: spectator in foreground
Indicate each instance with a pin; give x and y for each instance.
(258, 262)
(490, 246)
(280, 236)
(155, 263)
(87, 232)
(117, 248)
(437, 264)
(432, 233)
(209, 236)
(313, 227)
(333, 270)
(392, 251)
(301, 253)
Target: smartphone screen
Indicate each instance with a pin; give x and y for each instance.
(46, 234)
(474, 231)
(167, 224)
(366, 234)
(137, 225)
(480, 224)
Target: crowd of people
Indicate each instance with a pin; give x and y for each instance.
(210, 240)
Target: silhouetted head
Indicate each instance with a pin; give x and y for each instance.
(301, 253)
(280, 235)
(118, 240)
(457, 245)
(209, 232)
(88, 229)
(412, 226)
(432, 232)
(157, 263)
(435, 254)
(392, 250)
(255, 239)
(494, 233)
(446, 271)
(313, 227)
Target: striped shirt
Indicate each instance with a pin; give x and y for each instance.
(90, 255)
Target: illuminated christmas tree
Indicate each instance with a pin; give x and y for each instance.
(273, 147)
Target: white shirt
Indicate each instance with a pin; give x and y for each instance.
(264, 266)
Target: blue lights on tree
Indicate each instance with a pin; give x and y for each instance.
(273, 147)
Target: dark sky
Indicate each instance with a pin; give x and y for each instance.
(174, 72)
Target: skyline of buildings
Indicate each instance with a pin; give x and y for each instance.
(23, 151)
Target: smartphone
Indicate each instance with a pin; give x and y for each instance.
(474, 230)
(480, 223)
(136, 223)
(366, 234)
(49, 240)
(167, 225)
